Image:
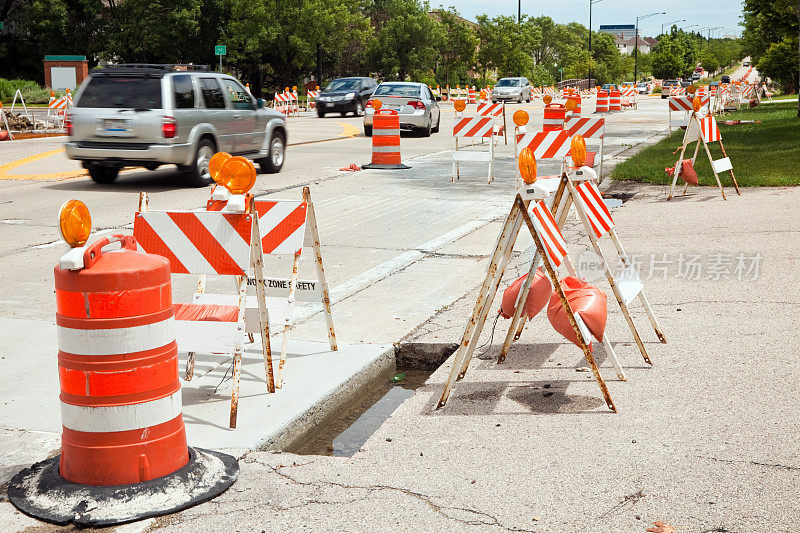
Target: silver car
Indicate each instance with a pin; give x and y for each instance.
(414, 102)
(152, 115)
(512, 89)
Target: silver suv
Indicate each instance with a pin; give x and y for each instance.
(518, 89)
(152, 115)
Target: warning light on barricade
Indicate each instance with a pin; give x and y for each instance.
(697, 103)
(215, 165)
(460, 105)
(318, 87)
(527, 165)
(577, 150)
(75, 223)
(376, 104)
(520, 117)
(239, 174)
(294, 87)
(571, 104)
(691, 89)
(547, 99)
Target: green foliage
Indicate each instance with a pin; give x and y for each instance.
(457, 49)
(505, 45)
(771, 34)
(763, 154)
(674, 56)
(406, 38)
(781, 62)
(31, 91)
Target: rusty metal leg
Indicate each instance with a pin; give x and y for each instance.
(504, 245)
(587, 353)
(189, 366)
(237, 370)
(287, 325)
(678, 168)
(326, 299)
(613, 356)
(263, 313)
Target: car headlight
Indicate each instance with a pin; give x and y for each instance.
(349, 96)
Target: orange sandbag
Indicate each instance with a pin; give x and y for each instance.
(541, 288)
(688, 173)
(586, 300)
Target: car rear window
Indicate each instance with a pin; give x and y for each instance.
(135, 92)
(343, 85)
(407, 91)
(506, 82)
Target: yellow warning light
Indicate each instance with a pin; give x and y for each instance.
(75, 223)
(547, 99)
(460, 105)
(215, 165)
(577, 149)
(571, 104)
(377, 104)
(520, 117)
(239, 174)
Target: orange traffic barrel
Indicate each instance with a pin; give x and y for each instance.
(616, 101)
(554, 117)
(386, 140)
(123, 444)
(602, 102)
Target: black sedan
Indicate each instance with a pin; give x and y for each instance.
(345, 95)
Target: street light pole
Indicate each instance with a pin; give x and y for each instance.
(670, 24)
(636, 44)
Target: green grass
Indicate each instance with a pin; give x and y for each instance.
(31, 91)
(765, 154)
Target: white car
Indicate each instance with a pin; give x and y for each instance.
(414, 102)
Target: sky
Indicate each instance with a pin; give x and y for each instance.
(704, 13)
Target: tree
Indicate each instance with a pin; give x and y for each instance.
(505, 45)
(674, 55)
(771, 27)
(406, 38)
(457, 49)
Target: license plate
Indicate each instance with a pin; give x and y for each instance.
(116, 126)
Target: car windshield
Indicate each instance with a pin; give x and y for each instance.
(343, 85)
(407, 91)
(135, 92)
(507, 82)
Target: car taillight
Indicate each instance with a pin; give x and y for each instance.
(169, 128)
(68, 124)
(416, 104)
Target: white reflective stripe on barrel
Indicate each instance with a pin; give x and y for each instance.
(121, 417)
(116, 341)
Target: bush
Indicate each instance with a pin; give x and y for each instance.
(656, 90)
(31, 91)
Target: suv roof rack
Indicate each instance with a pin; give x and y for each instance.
(154, 70)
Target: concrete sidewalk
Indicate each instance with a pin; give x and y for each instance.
(704, 440)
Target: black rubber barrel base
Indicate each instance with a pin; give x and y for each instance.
(41, 492)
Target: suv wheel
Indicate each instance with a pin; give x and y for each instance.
(102, 174)
(197, 174)
(277, 152)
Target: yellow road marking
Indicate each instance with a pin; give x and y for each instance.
(349, 129)
(4, 169)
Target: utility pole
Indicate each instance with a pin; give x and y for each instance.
(519, 11)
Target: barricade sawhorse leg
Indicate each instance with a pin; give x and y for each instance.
(505, 244)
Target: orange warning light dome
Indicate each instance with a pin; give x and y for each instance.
(75, 223)
(377, 104)
(520, 117)
(547, 99)
(527, 165)
(238, 174)
(460, 105)
(571, 104)
(577, 149)
(215, 165)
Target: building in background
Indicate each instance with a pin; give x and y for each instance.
(625, 46)
(626, 31)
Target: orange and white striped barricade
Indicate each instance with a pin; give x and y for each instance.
(548, 144)
(551, 253)
(123, 442)
(295, 103)
(385, 141)
(554, 115)
(472, 98)
(602, 102)
(629, 97)
(498, 114)
(536, 92)
(704, 130)
(615, 101)
(592, 129)
(214, 243)
(281, 103)
(287, 227)
(473, 128)
(746, 92)
(311, 99)
(678, 105)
